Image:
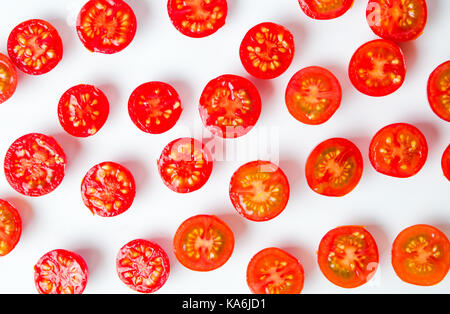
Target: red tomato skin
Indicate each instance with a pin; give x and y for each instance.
(433, 91)
(11, 73)
(14, 215)
(308, 7)
(445, 162)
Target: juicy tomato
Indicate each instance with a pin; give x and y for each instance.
(143, 266)
(259, 190)
(267, 50)
(313, 95)
(397, 20)
(377, 68)
(325, 9)
(10, 227)
(334, 167)
(35, 164)
(60, 272)
(185, 165)
(154, 107)
(83, 110)
(203, 243)
(230, 106)
(421, 255)
(35, 47)
(446, 162)
(108, 189)
(439, 91)
(398, 150)
(348, 256)
(274, 271)
(8, 78)
(106, 26)
(197, 18)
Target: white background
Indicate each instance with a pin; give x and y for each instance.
(383, 204)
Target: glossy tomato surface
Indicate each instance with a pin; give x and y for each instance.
(8, 78)
(445, 162)
(10, 227)
(325, 9)
(438, 91)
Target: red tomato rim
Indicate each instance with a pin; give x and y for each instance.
(445, 162)
(6, 62)
(309, 10)
(17, 221)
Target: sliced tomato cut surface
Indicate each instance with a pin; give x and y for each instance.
(185, 165)
(8, 78)
(10, 227)
(398, 150)
(143, 266)
(421, 255)
(35, 47)
(446, 162)
(154, 107)
(203, 243)
(106, 26)
(397, 20)
(35, 164)
(325, 9)
(334, 167)
(259, 190)
(197, 18)
(377, 68)
(348, 256)
(108, 189)
(61, 272)
(274, 271)
(230, 106)
(313, 95)
(267, 50)
(438, 91)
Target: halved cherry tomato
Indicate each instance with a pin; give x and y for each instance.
(398, 150)
(8, 78)
(197, 18)
(348, 256)
(421, 255)
(10, 227)
(35, 164)
(325, 9)
(108, 189)
(230, 106)
(397, 20)
(203, 243)
(35, 47)
(259, 190)
(185, 165)
(274, 271)
(154, 107)
(267, 50)
(334, 167)
(438, 90)
(446, 162)
(83, 110)
(61, 272)
(143, 266)
(106, 26)
(313, 95)
(377, 68)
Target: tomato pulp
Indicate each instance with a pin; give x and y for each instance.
(8, 78)
(438, 90)
(325, 9)
(10, 227)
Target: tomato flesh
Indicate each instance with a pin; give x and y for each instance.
(446, 162)
(8, 78)
(10, 227)
(438, 91)
(325, 9)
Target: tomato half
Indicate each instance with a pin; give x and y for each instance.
(377, 68)
(397, 20)
(438, 91)
(35, 47)
(421, 255)
(106, 26)
(446, 162)
(334, 167)
(8, 78)
(61, 272)
(274, 271)
(267, 50)
(185, 165)
(108, 189)
(348, 256)
(10, 227)
(154, 107)
(230, 106)
(398, 150)
(35, 164)
(259, 190)
(143, 266)
(197, 18)
(313, 95)
(325, 9)
(203, 243)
